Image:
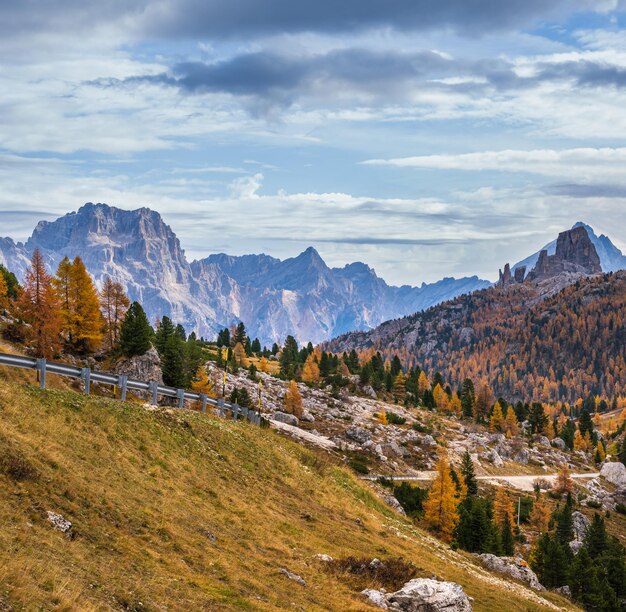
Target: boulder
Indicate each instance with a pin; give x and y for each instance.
(559, 443)
(542, 441)
(358, 434)
(513, 567)
(521, 456)
(428, 595)
(323, 558)
(493, 457)
(59, 523)
(285, 572)
(615, 473)
(565, 591)
(375, 598)
(146, 367)
(307, 417)
(428, 440)
(285, 417)
(580, 525)
(395, 504)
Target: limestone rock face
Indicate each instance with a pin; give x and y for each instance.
(575, 254)
(513, 567)
(145, 367)
(615, 473)
(285, 417)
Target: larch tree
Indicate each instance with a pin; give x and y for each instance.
(496, 421)
(202, 382)
(239, 354)
(62, 284)
(511, 427)
(399, 387)
(540, 515)
(4, 294)
(39, 308)
(483, 403)
(564, 483)
(423, 384)
(440, 397)
(293, 399)
(310, 370)
(440, 508)
(503, 508)
(88, 322)
(114, 303)
(263, 365)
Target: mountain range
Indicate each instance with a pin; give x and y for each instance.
(301, 296)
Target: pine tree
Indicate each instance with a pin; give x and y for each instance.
(469, 475)
(114, 304)
(565, 523)
(537, 418)
(475, 531)
(440, 508)
(508, 542)
(13, 287)
(399, 387)
(484, 402)
(497, 419)
(468, 398)
(293, 399)
(39, 308)
(135, 332)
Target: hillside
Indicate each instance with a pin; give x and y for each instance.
(182, 511)
(527, 341)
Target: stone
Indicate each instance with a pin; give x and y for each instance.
(358, 434)
(429, 595)
(59, 523)
(285, 417)
(307, 417)
(428, 440)
(521, 456)
(493, 457)
(575, 546)
(615, 473)
(375, 598)
(369, 391)
(565, 591)
(513, 567)
(542, 441)
(580, 525)
(323, 558)
(146, 367)
(559, 443)
(285, 572)
(376, 564)
(395, 504)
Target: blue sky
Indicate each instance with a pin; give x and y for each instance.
(426, 138)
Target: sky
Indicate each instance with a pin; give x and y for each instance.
(427, 138)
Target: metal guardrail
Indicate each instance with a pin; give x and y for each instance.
(89, 376)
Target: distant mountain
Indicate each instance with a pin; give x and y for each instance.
(554, 336)
(611, 258)
(301, 296)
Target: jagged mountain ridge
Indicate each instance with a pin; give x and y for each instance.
(611, 258)
(301, 296)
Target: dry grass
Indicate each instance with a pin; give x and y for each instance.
(180, 511)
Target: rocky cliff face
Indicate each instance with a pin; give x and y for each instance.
(301, 296)
(574, 254)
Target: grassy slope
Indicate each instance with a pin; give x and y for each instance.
(142, 489)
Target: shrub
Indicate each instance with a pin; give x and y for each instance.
(359, 464)
(410, 498)
(385, 482)
(594, 503)
(621, 508)
(425, 429)
(395, 419)
(14, 465)
(363, 573)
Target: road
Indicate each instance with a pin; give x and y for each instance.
(523, 483)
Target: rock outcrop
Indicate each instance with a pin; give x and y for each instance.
(513, 567)
(422, 595)
(144, 367)
(615, 473)
(575, 254)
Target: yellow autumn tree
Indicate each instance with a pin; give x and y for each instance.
(240, 355)
(540, 516)
(4, 294)
(399, 387)
(600, 453)
(114, 304)
(440, 507)
(455, 406)
(423, 384)
(497, 419)
(263, 365)
(564, 483)
(311, 371)
(202, 382)
(343, 369)
(293, 399)
(83, 323)
(440, 397)
(503, 507)
(580, 443)
(511, 427)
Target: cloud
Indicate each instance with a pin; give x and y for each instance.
(581, 163)
(214, 19)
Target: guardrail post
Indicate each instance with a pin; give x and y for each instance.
(122, 381)
(154, 391)
(41, 371)
(244, 413)
(86, 376)
(204, 401)
(220, 405)
(180, 394)
(235, 411)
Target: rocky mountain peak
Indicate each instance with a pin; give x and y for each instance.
(575, 253)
